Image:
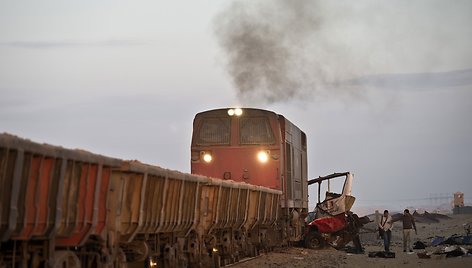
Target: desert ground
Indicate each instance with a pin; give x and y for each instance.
(299, 257)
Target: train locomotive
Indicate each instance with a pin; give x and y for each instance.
(257, 147)
(247, 192)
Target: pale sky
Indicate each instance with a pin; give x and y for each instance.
(382, 88)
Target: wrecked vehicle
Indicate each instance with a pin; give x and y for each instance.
(332, 223)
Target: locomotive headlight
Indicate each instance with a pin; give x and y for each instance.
(263, 156)
(236, 111)
(207, 157)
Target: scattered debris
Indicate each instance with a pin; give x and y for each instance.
(437, 241)
(457, 240)
(419, 245)
(424, 255)
(452, 240)
(381, 254)
(353, 250)
(449, 247)
(454, 251)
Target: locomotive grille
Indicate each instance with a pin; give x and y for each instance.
(214, 131)
(256, 130)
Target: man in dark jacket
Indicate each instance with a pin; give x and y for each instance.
(408, 225)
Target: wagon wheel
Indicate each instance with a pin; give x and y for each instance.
(314, 241)
(136, 251)
(66, 259)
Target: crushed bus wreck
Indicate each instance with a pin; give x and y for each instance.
(332, 223)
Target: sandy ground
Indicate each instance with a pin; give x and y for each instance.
(302, 257)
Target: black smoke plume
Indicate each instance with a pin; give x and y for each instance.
(304, 49)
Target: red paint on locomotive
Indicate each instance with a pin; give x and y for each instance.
(234, 143)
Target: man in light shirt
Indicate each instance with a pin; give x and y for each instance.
(386, 225)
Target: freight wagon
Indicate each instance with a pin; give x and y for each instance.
(53, 204)
(71, 208)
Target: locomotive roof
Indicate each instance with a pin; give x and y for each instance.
(225, 110)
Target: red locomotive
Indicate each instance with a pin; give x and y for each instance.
(258, 147)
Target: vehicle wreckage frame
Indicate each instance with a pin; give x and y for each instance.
(332, 223)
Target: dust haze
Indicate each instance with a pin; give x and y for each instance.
(279, 50)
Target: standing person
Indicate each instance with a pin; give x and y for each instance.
(408, 225)
(354, 225)
(386, 225)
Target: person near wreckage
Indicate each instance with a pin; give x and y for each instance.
(385, 229)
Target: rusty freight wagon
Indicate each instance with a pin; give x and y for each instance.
(70, 208)
(171, 219)
(53, 204)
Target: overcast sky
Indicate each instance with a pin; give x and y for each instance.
(382, 88)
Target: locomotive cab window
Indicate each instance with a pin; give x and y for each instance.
(214, 131)
(255, 130)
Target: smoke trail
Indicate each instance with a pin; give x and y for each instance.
(263, 45)
(278, 50)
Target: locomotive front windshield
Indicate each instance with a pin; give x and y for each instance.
(214, 131)
(255, 130)
(252, 131)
